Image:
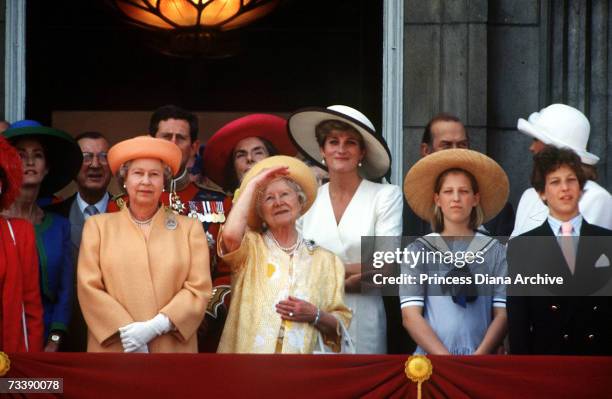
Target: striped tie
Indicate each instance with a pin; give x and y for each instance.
(90, 211)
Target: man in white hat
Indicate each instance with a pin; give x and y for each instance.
(562, 126)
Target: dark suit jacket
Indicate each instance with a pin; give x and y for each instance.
(560, 324)
(69, 208)
(76, 339)
(500, 226)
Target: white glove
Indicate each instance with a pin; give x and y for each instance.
(137, 334)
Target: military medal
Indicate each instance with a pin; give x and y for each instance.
(198, 210)
(193, 210)
(176, 204)
(215, 215)
(221, 212)
(207, 211)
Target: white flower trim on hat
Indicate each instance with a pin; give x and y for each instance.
(561, 126)
(302, 124)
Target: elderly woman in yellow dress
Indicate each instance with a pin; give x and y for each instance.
(143, 273)
(287, 293)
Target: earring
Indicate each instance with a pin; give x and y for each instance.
(163, 190)
(360, 164)
(323, 161)
(124, 186)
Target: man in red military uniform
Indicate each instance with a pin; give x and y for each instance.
(179, 126)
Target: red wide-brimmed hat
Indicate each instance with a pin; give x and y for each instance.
(220, 146)
(12, 173)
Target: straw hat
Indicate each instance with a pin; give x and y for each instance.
(220, 146)
(144, 147)
(299, 172)
(63, 154)
(561, 126)
(420, 181)
(303, 122)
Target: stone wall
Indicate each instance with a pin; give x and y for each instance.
(492, 62)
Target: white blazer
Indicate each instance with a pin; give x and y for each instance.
(595, 206)
(374, 210)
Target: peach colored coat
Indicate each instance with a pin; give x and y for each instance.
(122, 279)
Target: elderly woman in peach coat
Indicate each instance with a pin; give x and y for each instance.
(143, 273)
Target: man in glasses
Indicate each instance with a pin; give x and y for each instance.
(95, 175)
(90, 199)
(92, 182)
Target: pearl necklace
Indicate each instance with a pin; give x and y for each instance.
(141, 223)
(289, 250)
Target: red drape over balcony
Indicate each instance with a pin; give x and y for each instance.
(294, 376)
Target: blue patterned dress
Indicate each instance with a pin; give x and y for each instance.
(56, 271)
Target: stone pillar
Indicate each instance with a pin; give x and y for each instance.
(580, 69)
(492, 62)
(517, 78)
(542, 53)
(445, 68)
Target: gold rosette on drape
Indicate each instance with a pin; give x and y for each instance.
(418, 369)
(5, 364)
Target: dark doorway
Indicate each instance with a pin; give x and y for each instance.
(81, 56)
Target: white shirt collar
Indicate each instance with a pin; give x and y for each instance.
(555, 225)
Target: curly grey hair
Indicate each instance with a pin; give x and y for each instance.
(292, 184)
(123, 170)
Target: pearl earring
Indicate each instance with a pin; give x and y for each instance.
(360, 164)
(323, 161)
(124, 186)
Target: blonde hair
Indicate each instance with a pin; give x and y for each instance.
(476, 215)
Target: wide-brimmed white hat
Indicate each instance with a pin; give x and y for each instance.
(561, 126)
(302, 124)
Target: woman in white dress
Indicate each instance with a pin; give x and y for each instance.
(344, 141)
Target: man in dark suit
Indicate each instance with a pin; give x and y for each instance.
(445, 131)
(92, 181)
(90, 199)
(567, 318)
